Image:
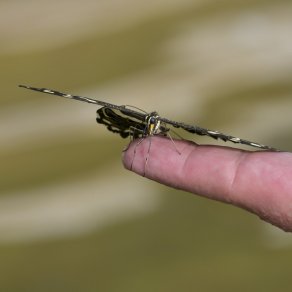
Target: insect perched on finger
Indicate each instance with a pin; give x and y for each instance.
(135, 123)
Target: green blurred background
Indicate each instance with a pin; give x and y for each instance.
(71, 218)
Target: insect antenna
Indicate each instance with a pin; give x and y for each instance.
(137, 108)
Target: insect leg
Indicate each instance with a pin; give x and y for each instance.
(166, 132)
(169, 136)
(134, 133)
(135, 148)
(147, 156)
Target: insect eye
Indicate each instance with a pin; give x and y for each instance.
(152, 120)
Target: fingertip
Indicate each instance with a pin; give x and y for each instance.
(126, 157)
(141, 156)
(135, 155)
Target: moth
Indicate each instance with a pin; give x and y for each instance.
(136, 123)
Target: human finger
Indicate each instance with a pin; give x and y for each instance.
(259, 181)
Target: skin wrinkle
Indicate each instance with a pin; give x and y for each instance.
(233, 183)
(184, 166)
(243, 195)
(277, 203)
(206, 171)
(189, 173)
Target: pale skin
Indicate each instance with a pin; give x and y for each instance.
(257, 181)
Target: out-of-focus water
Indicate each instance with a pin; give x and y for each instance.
(70, 216)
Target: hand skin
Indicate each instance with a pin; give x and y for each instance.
(257, 181)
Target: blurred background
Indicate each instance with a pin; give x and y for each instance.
(71, 218)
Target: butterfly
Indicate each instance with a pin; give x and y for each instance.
(135, 123)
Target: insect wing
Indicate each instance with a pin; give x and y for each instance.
(70, 96)
(117, 121)
(214, 134)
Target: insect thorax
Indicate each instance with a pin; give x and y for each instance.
(153, 124)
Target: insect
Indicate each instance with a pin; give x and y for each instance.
(138, 124)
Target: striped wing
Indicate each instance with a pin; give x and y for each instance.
(70, 96)
(214, 134)
(121, 122)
